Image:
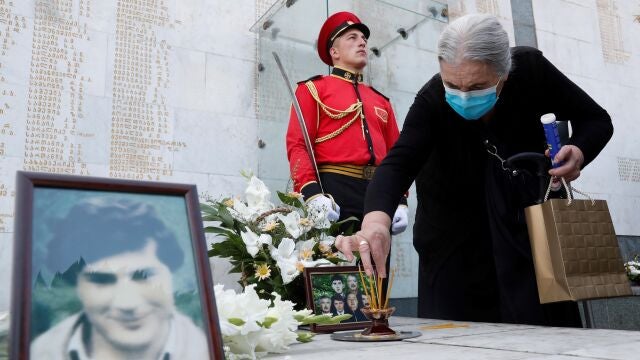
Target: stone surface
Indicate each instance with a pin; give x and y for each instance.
(478, 341)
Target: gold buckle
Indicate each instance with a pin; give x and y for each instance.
(367, 172)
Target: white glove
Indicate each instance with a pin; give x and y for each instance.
(321, 204)
(400, 220)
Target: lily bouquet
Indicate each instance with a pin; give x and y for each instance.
(252, 327)
(269, 244)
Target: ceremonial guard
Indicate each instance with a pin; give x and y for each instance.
(351, 126)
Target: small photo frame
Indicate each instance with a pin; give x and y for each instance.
(335, 290)
(110, 268)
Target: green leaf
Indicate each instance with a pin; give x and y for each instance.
(305, 336)
(290, 200)
(237, 268)
(247, 174)
(334, 260)
(210, 218)
(236, 321)
(218, 230)
(316, 319)
(338, 319)
(225, 216)
(208, 209)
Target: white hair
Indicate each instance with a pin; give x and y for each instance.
(477, 37)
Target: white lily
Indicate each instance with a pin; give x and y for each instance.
(292, 224)
(239, 317)
(305, 249)
(282, 332)
(241, 211)
(257, 195)
(312, 263)
(243, 346)
(255, 309)
(227, 309)
(254, 242)
(305, 255)
(286, 258)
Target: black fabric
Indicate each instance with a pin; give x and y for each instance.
(507, 195)
(310, 190)
(464, 288)
(348, 192)
(347, 75)
(469, 218)
(314, 77)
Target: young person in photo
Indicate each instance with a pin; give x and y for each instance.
(337, 284)
(125, 256)
(338, 305)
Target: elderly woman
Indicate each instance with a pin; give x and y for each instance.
(470, 231)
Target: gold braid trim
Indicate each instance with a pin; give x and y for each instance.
(339, 131)
(331, 112)
(355, 108)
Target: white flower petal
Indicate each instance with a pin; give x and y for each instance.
(286, 248)
(251, 241)
(291, 223)
(257, 195)
(265, 239)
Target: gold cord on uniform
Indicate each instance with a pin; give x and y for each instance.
(355, 108)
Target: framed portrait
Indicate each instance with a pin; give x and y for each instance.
(336, 290)
(110, 269)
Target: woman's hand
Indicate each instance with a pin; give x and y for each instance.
(373, 241)
(573, 159)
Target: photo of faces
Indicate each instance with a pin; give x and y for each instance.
(337, 293)
(114, 277)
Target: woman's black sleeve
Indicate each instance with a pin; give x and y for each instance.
(405, 159)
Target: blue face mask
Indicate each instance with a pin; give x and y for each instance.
(471, 105)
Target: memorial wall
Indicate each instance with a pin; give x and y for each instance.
(157, 90)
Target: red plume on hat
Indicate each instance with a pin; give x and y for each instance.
(334, 26)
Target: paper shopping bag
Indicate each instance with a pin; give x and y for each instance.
(575, 251)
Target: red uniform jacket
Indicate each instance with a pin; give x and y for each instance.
(338, 140)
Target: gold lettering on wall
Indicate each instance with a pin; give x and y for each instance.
(10, 26)
(56, 91)
(611, 32)
(140, 130)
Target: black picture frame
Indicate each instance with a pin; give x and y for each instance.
(41, 200)
(318, 284)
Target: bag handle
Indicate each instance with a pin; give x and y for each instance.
(569, 190)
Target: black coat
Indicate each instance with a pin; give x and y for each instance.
(470, 232)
